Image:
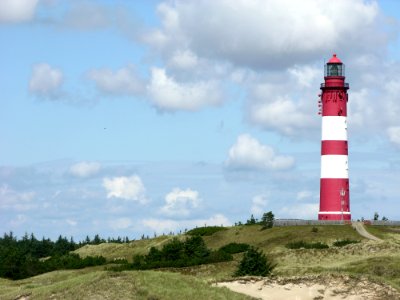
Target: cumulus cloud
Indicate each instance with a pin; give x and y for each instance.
(307, 211)
(394, 135)
(248, 153)
(265, 34)
(183, 59)
(123, 81)
(120, 223)
(17, 10)
(180, 202)
(258, 204)
(16, 200)
(169, 95)
(166, 225)
(127, 188)
(85, 169)
(283, 115)
(45, 81)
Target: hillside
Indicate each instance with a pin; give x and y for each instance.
(378, 261)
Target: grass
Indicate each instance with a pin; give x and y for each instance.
(385, 232)
(378, 260)
(98, 284)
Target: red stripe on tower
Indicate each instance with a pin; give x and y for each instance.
(334, 185)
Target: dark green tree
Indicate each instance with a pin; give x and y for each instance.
(267, 220)
(255, 263)
(252, 221)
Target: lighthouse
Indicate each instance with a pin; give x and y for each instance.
(334, 184)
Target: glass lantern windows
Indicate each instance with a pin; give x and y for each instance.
(334, 69)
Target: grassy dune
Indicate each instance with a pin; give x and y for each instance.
(379, 261)
(98, 284)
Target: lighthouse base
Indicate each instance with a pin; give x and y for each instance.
(334, 215)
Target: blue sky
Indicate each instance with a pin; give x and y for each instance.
(132, 117)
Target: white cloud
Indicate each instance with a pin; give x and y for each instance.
(249, 153)
(161, 226)
(169, 95)
(127, 188)
(17, 10)
(123, 81)
(120, 223)
(394, 134)
(71, 222)
(166, 225)
(45, 80)
(85, 169)
(305, 76)
(282, 114)
(18, 220)
(183, 60)
(307, 211)
(16, 200)
(87, 16)
(262, 33)
(304, 195)
(180, 202)
(258, 204)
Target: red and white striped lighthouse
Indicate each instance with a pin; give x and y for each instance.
(334, 186)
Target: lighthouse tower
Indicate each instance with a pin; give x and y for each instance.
(334, 186)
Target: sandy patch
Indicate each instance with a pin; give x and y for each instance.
(312, 288)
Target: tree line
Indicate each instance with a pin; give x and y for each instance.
(29, 256)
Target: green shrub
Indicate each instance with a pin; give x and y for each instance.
(203, 231)
(233, 248)
(255, 263)
(177, 254)
(342, 243)
(302, 244)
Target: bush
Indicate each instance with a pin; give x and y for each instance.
(255, 263)
(177, 254)
(342, 243)
(203, 231)
(302, 244)
(233, 248)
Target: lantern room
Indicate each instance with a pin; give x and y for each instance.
(334, 67)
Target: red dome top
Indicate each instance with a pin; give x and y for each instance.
(334, 60)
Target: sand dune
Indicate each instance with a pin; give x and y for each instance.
(312, 288)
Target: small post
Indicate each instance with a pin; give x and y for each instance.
(342, 193)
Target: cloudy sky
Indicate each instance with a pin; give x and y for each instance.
(132, 117)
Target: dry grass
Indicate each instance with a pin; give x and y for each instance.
(97, 284)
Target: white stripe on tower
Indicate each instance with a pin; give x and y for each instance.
(334, 166)
(334, 128)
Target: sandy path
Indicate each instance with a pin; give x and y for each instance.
(359, 226)
(311, 288)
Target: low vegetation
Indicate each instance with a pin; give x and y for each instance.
(233, 248)
(342, 243)
(305, 245)
(204, 231)
(255, 263)
(177, 254)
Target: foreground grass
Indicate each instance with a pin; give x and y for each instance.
(99, 284)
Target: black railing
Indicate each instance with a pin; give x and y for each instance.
(346, 85)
